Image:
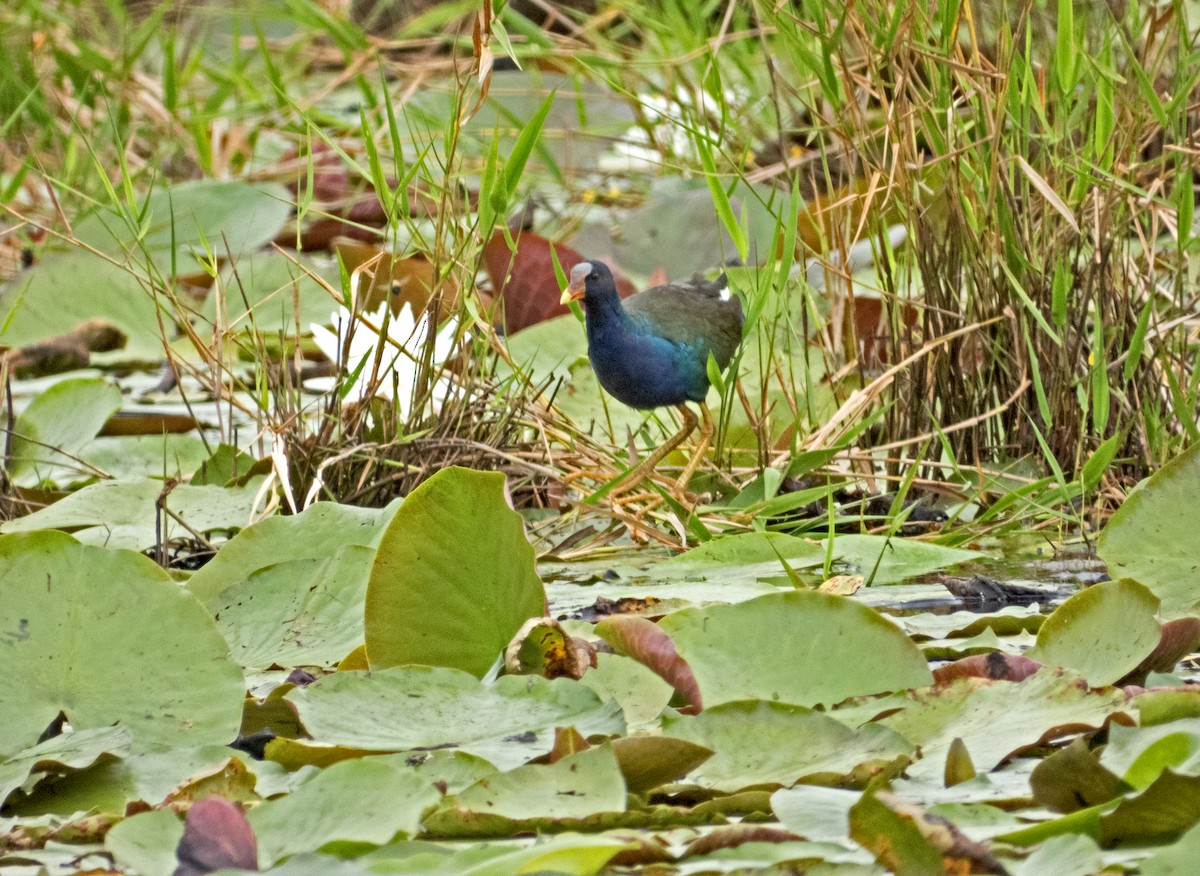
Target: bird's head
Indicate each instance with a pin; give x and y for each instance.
(583, 275)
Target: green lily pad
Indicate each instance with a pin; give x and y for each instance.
(62, 753)
(1102, 632)
(893, 560)
(577, 786)
(508, 723)
(641, 693)
(751, 548)
(297, 613)
(815, 812)
(454, 577)
(134, 456)
(1178, 859)
(226, 218)
(759, 743)
(1139, 755)
(122, 514)
(997, 719)
(1069, 855)
(355, 801)
(317, 532)
(106, 637)
(145, 843)
(1150, 540)
(799, 647)
(55, 426)
(111, 785)
(272, 293)
(43, 302)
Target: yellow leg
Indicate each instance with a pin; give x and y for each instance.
(706, 433)
(646, 466)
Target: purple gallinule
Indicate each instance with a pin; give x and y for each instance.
(652, 350)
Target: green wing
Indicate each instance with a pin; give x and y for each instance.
(684, 315)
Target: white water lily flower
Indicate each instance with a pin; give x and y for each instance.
(399, 363)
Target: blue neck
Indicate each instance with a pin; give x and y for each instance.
(606, 316)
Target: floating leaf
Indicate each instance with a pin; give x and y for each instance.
(896, 841)
(798, 647)
(641, 693)
(758, 743)
(1072, 778)
(1139, 755)
(886, 560)
(1149, 540)
(225, 217)
(271, 293)
(112, 785)
(407, 707)
(108, 638)
(63, 753)
(998, 719)
(42, 303)
(135, 456)
(647, 643)
(543, 647)
(649, 761)
(318, 532)
(356, 801)
(297, 613)
(216, 836)
(146, 842)
(577, 786)
(994, 666)
(1101, 632)
(1175, 860)
(55, 426)
(815, 812)
(454, 577)
(124, 514)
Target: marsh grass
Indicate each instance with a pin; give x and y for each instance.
(1038, 318)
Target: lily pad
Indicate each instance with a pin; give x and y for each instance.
(407, 707)
(317, 532)
(759, 743)
(1101, 632)
(44, 302)
(815, 812)
(297, 613)
(454, 578)
(272, 293)
(146, 842)
(226, 218)
(68, 751)
(798, 647)
(106, 637)
(134, 456)
(122, 514)
(356, 801)
(1150, 540)
(893, 560)
(577, 786)
(111, 785)
(55, 426)
(997, 719)
(1139, 755)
